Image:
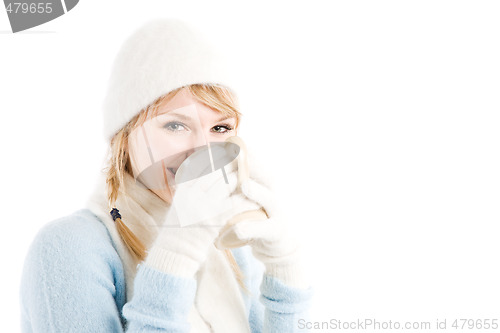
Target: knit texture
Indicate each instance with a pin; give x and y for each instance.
(73, 281)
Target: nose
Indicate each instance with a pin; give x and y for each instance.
(198, 140)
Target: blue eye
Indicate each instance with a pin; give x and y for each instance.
(175, 126)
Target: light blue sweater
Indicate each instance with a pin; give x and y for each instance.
(73, 281)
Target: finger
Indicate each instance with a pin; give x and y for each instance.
(257, 170)
(262, 230)
(259, 194)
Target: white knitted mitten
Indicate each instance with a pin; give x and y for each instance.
(181, 250)
(271, 240)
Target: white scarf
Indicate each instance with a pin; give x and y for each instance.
(218, 302)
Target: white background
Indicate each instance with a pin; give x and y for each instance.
(379, 119)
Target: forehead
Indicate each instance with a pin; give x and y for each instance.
(180, 100)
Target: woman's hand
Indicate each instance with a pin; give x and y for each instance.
(183, 249)
(270, 239)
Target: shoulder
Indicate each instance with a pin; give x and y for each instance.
(82, 222)
(72, 273)
(81, 229)
(72, 252)
(73, 240)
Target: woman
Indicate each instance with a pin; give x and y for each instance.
(120, 264)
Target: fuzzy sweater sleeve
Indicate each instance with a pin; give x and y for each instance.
(284, 306)
(73, 281)
(273, 305)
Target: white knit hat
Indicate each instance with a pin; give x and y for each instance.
(162, 55)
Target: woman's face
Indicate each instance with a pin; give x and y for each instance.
(161, 144)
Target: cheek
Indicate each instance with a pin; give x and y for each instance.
(138, 154)
(164, 145)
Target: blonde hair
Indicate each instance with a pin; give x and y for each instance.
(216, 97)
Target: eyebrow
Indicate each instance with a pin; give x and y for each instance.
(186, 118)
(224, 118)
(182, 116)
